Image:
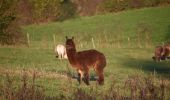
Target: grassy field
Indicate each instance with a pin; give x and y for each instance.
(154, 20)
(127, 39)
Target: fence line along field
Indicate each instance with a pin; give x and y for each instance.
(127, 39)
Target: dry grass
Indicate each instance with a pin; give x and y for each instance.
(145, 88)
(136, 87)
(30, 72)
(24, 91)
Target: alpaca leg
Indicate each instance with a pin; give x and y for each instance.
(167, 55)
(59, 56)
(101, 77)
(65, 56)
(79, 78)
(164, 57)
(62, 56)
(80, 75)
(86, 78)
(56, 56)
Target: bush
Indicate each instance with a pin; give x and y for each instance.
(10, 32)
(111, 6)
(119, 5)
(52, 10)
(67, 10)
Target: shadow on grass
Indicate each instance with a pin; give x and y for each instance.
(92, 77)
(69, 74)
(161, 68)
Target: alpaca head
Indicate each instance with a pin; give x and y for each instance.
(70, 43)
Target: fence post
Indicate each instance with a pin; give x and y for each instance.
(163, 43)
(28, 40)
(54, 39)
(139, 40)
(118, 42)
(93, 43)
(129, 41)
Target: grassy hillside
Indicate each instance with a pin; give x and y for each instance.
(116, 35)
(127, 23)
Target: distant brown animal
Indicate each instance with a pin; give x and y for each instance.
(161, 52)
(83, 60)
(166, 51)
(158, 53)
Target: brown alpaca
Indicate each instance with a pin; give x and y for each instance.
(83, 60)
(166, 51)
(161, 52)
(158, 53)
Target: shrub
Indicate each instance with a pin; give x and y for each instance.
(119, 5)
(10, 32)
(52, 10)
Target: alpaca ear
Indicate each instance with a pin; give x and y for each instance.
(72, 37)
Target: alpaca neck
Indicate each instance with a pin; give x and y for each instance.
(71, 54)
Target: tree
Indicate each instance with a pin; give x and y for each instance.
(10, 32)
(53, 10)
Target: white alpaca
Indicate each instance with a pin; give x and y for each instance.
(60, 51)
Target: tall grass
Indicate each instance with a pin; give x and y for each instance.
(24, 91)
(136, 87)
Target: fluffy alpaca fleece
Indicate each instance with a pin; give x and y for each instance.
(84, 60)
(60, 51)
(166, 51)
(158, 53)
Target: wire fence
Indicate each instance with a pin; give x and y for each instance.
(100, 41)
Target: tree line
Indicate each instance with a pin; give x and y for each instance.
(14, 13)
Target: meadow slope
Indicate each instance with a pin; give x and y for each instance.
(154, 20)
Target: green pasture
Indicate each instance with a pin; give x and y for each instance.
(115, 35)
(109, 27)
(121, 63)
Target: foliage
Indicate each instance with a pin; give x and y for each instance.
(52, 10)
(24, 11)
(10, 33)
(119, 5)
